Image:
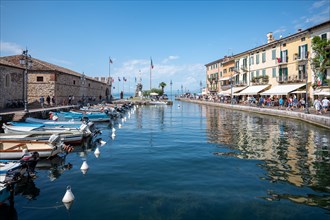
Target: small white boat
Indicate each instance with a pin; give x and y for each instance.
(8, 171)
(157, 103)
(68, 137)
(85, 129)
(52, 122)
(15, 149)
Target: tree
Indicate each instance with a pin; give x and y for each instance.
(162, 85)
(321, 59)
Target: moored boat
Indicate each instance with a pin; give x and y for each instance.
(15, 149)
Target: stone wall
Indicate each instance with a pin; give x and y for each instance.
(62, 85)
(11, 84)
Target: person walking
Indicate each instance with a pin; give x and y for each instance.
(42, 101)
(325, 104)
(48, 100)
(280, 103)
(53, 101)
(318, 106)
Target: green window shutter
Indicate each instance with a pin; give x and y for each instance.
(280, 72)
(299, 52)
(306, 51)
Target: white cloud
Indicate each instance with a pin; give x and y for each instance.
(8, 48)
(188, 75)
(319, 4)
(166, 60)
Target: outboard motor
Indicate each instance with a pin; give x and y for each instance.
(54, 139)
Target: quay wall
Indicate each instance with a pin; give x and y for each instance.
(319, 120)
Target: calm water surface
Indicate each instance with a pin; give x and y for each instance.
(190, 162)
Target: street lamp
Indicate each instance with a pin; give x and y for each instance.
(201, 84)
(171, 88)
(302, 69)
(26, 60)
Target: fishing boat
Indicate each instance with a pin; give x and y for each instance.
(15, 149)
(68, 137)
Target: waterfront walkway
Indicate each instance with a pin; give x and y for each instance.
(314, 118)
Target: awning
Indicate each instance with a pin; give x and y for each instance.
(235, 90)
(253, 90)
(224, 78)
(322, 91)
(282, 89)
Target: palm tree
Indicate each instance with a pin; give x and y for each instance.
(162, 85)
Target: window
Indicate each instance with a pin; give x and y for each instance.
(284, 56)
(324, 36)
(252, 60)
(303, 54)
(274, 54)
(274, 72)
(7, 80)
(263, 57)
(40, 78)
(303, 39)
(74, 82)
(252, 74)
(257, 59)
(264, 72)
(225, 71)
(257, 74)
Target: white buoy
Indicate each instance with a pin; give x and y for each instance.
(102, 143)
(68, 198)
(84, 167)
(113, 134)
(97, 152)
(119, 125)
(112, 137)
(113, 130)
(123, 119)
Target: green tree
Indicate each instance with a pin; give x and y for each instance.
(321, 59)
(162, 85)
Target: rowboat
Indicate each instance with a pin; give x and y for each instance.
(68, 137)
(15, 149)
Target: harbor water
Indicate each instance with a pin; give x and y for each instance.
(189, 161)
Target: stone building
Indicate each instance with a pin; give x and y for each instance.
(11, 83)
(48, 79)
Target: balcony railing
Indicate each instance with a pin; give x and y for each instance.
(260, 80)
(244, 68)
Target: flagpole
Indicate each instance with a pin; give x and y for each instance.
(150, 78)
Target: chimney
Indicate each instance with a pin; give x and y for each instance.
(270, 37)
(299, 29)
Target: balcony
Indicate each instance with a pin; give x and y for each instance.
(260, 80)
(282, 61)
(244, 68)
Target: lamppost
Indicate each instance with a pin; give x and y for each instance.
(201, 84)
(171, 88)
(182, 89)
(302, 69)
(26, 60)
(231, 84)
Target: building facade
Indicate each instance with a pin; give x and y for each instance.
(280, 67)
(46, 79)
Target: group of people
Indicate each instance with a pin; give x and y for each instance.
(321, 105)
(48, 100)
(288, 103)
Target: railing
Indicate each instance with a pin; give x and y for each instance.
(244, 68)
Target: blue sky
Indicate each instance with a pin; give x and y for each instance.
(180, 36)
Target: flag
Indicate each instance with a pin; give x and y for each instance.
(110, 60)
(118, 79)
(151, 64)
(124, 79)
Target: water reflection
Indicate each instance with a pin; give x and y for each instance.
(27, 188)
(290, 151)
(55, 166)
